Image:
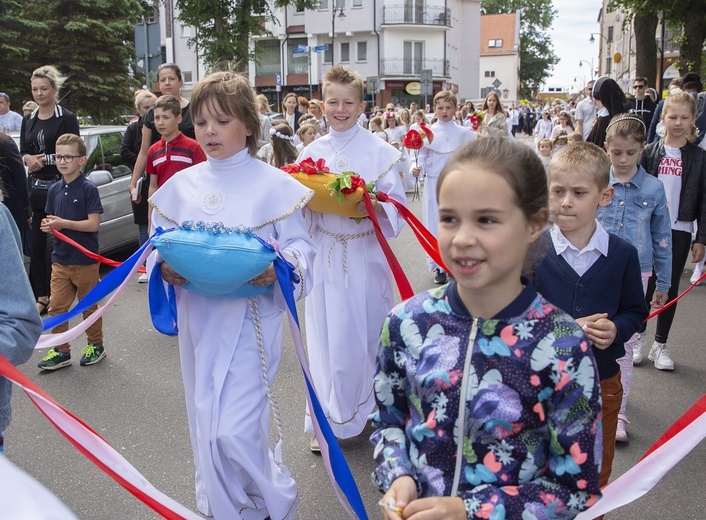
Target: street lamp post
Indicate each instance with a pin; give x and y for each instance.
(341, 14)
(592, 39)
(593, 71)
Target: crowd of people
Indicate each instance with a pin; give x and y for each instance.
(503, 390)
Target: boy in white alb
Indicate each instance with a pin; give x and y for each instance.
(352, 289)
(448, 137)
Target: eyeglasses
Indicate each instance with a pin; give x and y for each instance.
(68, 159)
(638, 86)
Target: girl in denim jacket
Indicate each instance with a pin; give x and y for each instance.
(638, 213)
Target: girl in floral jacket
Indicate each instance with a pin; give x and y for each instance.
(488, 357)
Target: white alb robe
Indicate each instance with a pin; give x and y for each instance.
(226, 344)
(352, 290)
(448, 137)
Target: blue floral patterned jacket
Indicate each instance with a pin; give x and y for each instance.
(532, 441)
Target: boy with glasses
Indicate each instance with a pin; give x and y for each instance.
(641, 104)
(74, 208)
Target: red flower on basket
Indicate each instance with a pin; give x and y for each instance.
(308, 166)
(476, 120)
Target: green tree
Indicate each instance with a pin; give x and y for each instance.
(15, 49)
(537, 56)
(91, 42)
(224, 27)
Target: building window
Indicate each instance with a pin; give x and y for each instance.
(267, 60)
(328, 54)
(413, 59)
(323, 5)
(609, 66)
(345, 52)
(489, 73)
(340, 3)
(188, 76)
(610, 34)
(299, 6)
(362, 51)
(357, 3)
(186, 31)
(296, 63)
(495, 44)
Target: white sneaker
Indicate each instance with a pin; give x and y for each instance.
(637, 347)
(695, 276)
(621, 434)
(142, 278)
(659, 353)
(314, 444)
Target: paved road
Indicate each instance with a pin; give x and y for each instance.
(134, 398)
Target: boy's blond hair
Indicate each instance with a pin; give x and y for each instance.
(343, 76)
(585, 158)
(168, 104)
(446, 95)
(232, 93)
(72, 139)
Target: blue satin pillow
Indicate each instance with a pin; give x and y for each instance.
(218, 261)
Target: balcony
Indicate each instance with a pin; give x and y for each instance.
(402, 67)
(411, 14)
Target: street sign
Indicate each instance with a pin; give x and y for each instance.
(278, 79)
(303, 48)
(299, 51)
(320, 48)
(372, 85)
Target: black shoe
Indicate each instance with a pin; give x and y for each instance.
(441, 277)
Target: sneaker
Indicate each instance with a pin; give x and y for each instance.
(92, 354)
(637, 347)
(55, 360)
(142, 278)
(441, 277)
(659, 354)
(2, 444)
(314, 445)
(695, 277)
(621, 434)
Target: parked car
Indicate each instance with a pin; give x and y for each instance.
(112, 177)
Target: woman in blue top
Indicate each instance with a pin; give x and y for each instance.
(490, 358)
(638, 213)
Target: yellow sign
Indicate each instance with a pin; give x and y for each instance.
(414, 88)
(617, 57)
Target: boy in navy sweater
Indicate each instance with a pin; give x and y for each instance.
(590, 274)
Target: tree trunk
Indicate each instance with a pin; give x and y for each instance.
(645, 26)
(694, 35)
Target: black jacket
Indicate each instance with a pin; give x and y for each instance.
(14, 182)
(692, 200)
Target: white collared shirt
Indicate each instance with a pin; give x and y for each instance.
(580, 260)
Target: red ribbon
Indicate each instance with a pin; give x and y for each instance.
(403, 284)
(425, 237)
(675, 300)
(698, 408)
(89, 254)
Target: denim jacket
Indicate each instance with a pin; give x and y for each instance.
(20, 324)
(639, 214)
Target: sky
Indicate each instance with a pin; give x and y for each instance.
(573, 24)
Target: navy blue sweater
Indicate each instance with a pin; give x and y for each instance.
(613, 285)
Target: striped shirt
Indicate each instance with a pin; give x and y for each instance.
(165, 158)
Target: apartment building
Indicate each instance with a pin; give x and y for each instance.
(389, 41)
(500, 56)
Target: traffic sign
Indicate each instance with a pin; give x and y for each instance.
(299, 51)
(302, 47)
(278, 79)
(320, 48)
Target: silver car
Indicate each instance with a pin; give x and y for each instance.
(112, 177)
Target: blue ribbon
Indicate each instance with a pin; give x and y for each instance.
(163, 309)
(339, 466)
(106, 286)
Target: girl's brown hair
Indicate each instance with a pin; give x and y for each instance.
(233, 95)
(627, 126)
(283, 151)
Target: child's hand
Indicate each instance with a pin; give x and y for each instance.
(268, 277)
(402, 491)
(415, 171)
(51, 222)
(377, 207)
(697, 252)
(659, 299)
(599, 329)
(436, 508)
(171, 276)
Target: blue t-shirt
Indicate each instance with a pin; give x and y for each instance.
(74, 201)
